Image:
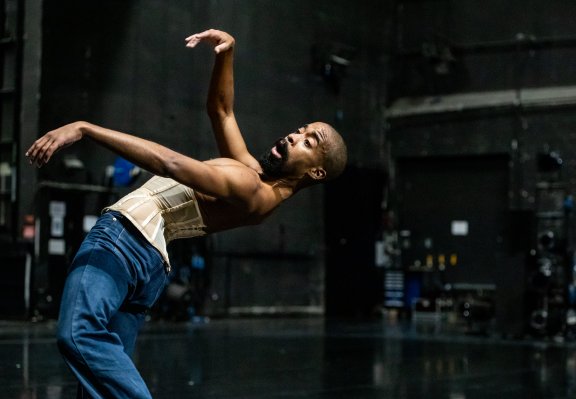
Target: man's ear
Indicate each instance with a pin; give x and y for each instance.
(317, 173)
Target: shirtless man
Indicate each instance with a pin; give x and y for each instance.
(121, 267)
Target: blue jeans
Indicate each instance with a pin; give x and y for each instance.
(115, 277)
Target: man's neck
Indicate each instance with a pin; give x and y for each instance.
(284, 187)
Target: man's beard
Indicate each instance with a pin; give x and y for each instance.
(271, 165)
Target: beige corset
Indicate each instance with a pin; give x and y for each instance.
(163, 210)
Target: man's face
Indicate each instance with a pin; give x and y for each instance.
(296, 153)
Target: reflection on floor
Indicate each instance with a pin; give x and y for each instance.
(305, 358)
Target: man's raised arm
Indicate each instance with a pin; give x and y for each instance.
(220, 102)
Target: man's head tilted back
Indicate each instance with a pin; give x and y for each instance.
(314, 153)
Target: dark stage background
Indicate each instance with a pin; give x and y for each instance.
(453, 112)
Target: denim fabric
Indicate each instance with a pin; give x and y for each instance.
(114, 278)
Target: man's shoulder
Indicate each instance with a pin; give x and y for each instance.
(242, 174)
(252, 193)
(225, 162)
(253, 164)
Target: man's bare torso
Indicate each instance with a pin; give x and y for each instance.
(221, 214)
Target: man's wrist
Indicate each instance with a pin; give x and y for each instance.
(82, 127)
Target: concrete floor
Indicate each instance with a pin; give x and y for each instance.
(304, 358)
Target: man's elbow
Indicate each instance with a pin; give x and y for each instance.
(168, 166)
(214, 112)
(218, 109)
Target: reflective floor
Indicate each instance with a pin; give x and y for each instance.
(305, 358)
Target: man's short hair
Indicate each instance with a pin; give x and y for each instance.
(336, 155)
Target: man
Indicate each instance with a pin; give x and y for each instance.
(120, 269)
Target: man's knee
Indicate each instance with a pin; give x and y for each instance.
(72, 342)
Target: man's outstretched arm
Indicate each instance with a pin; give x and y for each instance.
(220, 102)
(222, 183)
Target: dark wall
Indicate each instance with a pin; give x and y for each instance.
(455, 48)
(123, 65)
(354, 286)
(444, 46)
(462, 48)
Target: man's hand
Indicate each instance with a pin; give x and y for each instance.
(221, 41)
(42, 150)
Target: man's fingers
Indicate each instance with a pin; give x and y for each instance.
(206, 33)
(33, 154)
(33, 151)
(192, 41)
(40, 152)
(43, 149)
(219, 39)
(37, 156)
(43, 157)
(197, 37)
(222, 47)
